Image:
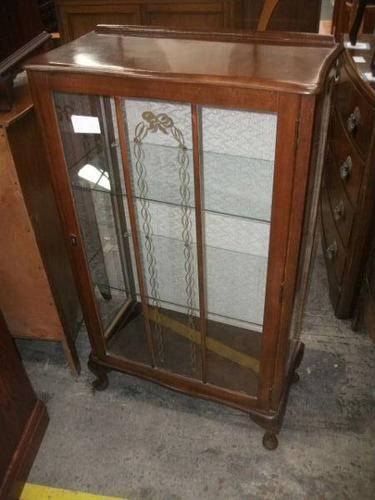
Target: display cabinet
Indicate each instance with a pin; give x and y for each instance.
(187, 167)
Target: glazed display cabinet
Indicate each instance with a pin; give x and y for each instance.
(186, 167)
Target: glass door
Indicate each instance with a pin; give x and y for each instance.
(174, 204)
(89, 139)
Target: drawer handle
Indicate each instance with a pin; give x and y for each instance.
(346, 169)
(339, 211)
(73, 240)
(354, 120)
(331, 251)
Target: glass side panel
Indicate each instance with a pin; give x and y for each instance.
(96, 177)
(160, 149)
(238, 151)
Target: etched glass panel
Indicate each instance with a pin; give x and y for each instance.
(160, 150)
(238, 151)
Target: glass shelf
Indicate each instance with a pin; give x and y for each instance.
(235, 185)
(242, 276)
(236, 259)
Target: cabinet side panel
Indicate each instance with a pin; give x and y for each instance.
(25, 296)
(300, 212)
(32, 170)
(280, 239)
(308, 244)
(47, 119)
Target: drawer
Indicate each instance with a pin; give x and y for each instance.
(334, 252)
(342, 211)
(355, 112)
(347, 161)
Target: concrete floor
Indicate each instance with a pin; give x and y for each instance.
(140, 441)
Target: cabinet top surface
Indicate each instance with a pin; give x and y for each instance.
(281, 62)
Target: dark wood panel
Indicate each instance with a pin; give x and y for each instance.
(38, 295)
(209, 16)
(289, 15)
(19, 22)
(76, 20)
(77, 17)
(23, 419)
(344, 15)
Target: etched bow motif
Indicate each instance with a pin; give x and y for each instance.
(153, 123)
(160, 122)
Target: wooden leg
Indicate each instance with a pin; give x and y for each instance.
(295, 378)
(101, 382)
(71, 355)
(270, 441)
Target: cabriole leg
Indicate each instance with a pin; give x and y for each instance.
(295, 378)
(101, 382)
(270, 441)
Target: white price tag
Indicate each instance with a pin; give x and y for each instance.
(85, 124)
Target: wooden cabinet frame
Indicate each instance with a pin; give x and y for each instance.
(302, 121)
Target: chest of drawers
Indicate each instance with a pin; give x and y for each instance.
(348, 181)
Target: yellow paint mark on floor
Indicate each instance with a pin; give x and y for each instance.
(38, 492)
(213, 345)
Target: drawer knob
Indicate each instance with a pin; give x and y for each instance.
(354, 120)
(346, 169)
(331, 251)
(339, 211)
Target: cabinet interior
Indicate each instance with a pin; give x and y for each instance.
(163, 325)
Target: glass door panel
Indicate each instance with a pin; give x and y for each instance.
(89, 141)
(160, 151)
(238, 151)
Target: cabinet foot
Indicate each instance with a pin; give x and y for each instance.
(101, 382)
(295, 378)
(270, 441)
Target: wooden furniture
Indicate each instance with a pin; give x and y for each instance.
(344, 14)
(189, 191)
(19, 23)
(365, 307)
(21, 35)
(23, 419)
(348, 193)
(37, 293)
(288, 15)
(77, 17)
(359, 18)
